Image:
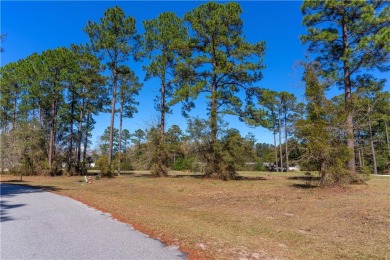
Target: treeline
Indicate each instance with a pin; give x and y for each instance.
(184, 149)
(54, 95)
(47, 105)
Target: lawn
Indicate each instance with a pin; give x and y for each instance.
(264, 216)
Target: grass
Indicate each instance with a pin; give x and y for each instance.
(272, 215)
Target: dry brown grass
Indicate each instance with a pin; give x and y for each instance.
(274, 216)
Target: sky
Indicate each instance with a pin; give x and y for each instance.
(36, 26)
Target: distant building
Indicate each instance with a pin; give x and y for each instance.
(295, 168)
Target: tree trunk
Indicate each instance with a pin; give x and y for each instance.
(52, 136)
(80, 134)
(14, 109)
(161, 153)
(348, 97)
(120, 137)
(276, 152)
(280, 144)
(359, 153)
(162, 122)
(214, 128)
(70, 150)
(375, 169)
(86, 136)
(125, 145)
(360, 159)
(110, 148)
(286, 138)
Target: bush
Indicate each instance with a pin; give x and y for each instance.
(103, 166)
(183, 164)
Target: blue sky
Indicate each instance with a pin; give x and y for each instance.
(38, 26)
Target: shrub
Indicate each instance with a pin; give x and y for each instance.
(103, 166)
(183, 164)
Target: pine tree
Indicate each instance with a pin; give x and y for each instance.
(113, 39)
(129, 86)
(318, 132)
(91, 95)
(221, 65)
(348, 37)
(163, 41)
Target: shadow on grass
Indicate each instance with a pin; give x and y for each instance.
(311, 182)
(148, 175)
(304, 186)
(193, 176)
(304, 178)
(249, 178)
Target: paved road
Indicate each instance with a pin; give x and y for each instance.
(42, 225)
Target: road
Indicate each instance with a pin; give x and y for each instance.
(41, 225)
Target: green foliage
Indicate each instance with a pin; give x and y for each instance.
(232, 150)
(125, 139)
(128, 89)
(112, 35)
(23, 149)
(30, 137)
(275, 111)
(184, 164)
(221, 65)
(372, 108)
(236, 151)
(129, 86)
(105, 139)
(126, 164)
(48, 100)
(58, 90)
(158, 166)
(348, 37)
(139, 136)
(114, 39)
(348, 33)
(323, 149)
(164, 39)
(158, 153)
(104, 167)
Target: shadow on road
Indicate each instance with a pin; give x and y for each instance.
(8, 190)
(5, 207)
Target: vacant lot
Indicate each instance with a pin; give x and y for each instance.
(269, 216)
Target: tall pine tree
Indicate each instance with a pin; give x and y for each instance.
(113, 40)
(221, 65)
(348, 37)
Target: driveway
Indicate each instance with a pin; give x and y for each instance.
(41, 225)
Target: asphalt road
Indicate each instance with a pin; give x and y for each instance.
(41, 225)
